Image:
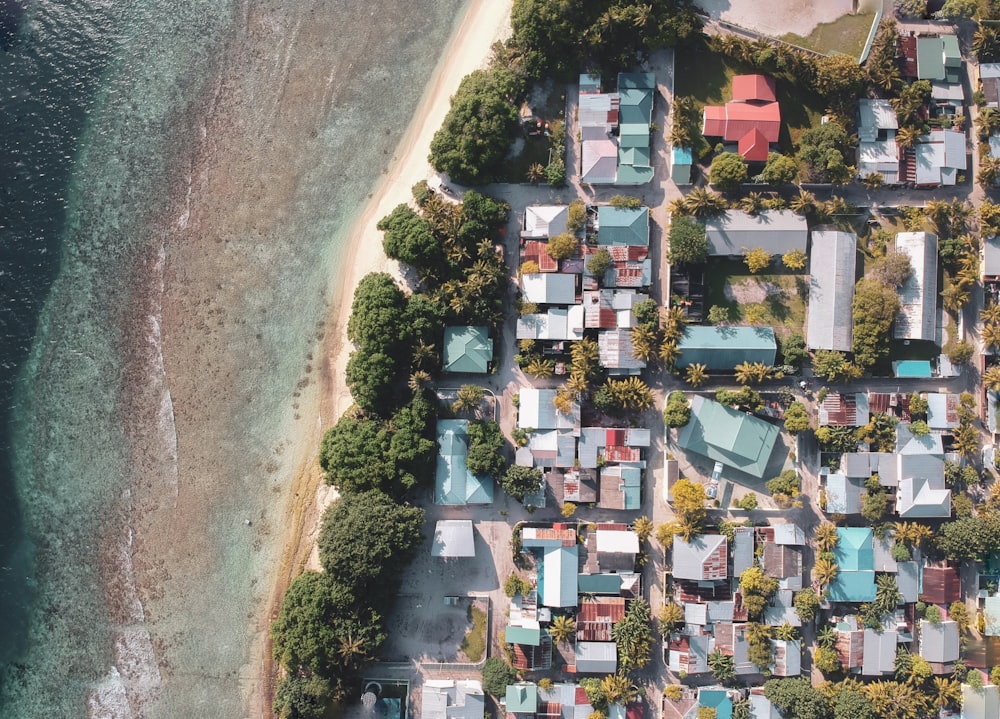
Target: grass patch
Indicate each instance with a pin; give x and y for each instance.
(707, 78)
(474, 644)
(846, 34)
(776, 298)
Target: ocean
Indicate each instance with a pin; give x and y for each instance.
(177, 182)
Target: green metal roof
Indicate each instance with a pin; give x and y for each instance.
(523, 635)
(722, 348)
(633, 135)
(722, 434)
(522, 697)
(855, 549)
(930, 58)
(467, 349)
(453, 482)
(622, 226)
(952, 55)
(599, 584)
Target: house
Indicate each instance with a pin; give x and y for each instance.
(636, 91)
(843, 494)
(787, 658)
(720, 349)
(544, 221)
(917, 318)
(989, 75)
(743, 550)
(850, 643)
(722, 434)
(571, 698)
(548, 449)
(939, 643)
(531, 647)
(621, 487)
(537, 411)
(704, 558)
(557, 324)
(549, 288)
(467, 349)
(844, 410)
(453, 482)
(877, 149)
(538, 252)
(879, 652)
(718, 699)
(599, 155)
(622, 226)
(832, 269)
(453, 538)
(731, 640)
(596, 618)
(617, 547)
(752, 118)
(939, 58)
(607, 445)
(761, 707)
(941, 584)
(521, 700)
(617, 354)
(452, 699)
(940, 157)
(980, 702)
(557, 576)
(991, 257)
(775, 231)
(923, 497)
(783, 562)
(942, 410)
(855, 557)
(681, 162)
(596, 657)
(689, 653)
(908, 581)
(781, 610)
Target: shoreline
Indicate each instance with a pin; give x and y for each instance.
(468, 49)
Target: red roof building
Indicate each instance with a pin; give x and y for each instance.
(752, 118)
(942, 585)
(596, 618)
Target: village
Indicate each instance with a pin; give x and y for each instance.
(748, 391)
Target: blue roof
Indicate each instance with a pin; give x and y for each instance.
(681, 156)
(855, 557)
(852, 587)
(717, 699)
(722, 348)
(912, 368)
(453, 482)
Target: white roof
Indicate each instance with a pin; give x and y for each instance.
(695, 613)
(537, 411)
(941, 90)
(939, 643)
(875, 115)
(623, 541)
(549, 288)
(923, 497)
(989, 69)
(593, 109)
(879, 653)
(940, 157)
(981, 703)
(600, 160)
(559, 565)
(762, 708)
(453, 538)
(559, 323)
(541, 221)
(596, 657)
(937, 410)
(776, 231)
(881, 156)
(832, 265)
(452, 699)
(790, 534)
(917, 318)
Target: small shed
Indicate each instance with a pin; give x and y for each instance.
(681, 162)
(453, 538)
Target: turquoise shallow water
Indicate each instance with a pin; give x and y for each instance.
(178, 183)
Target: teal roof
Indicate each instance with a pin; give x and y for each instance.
(722, 348)
(633, 175)
(634, 135)
(622, 226)
(681, 156)
(453, 482)
(631, 487)
(855, 558)
(636, 107)
(522, 698)
(637, 157)
(912, 368)
(952, 55)
(467, 349)
(930, 58)
(722, 434)
(523, 635)
(717, 699)
(599, 584)
(855, 549)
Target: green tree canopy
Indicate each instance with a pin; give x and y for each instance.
(793, 349)
(376, 313)
(893, 270)
(851, 704)
(796, 418)
(677, 412)
(728, 171)
(369, 377)
(599, 262)
(497, 676)
(959, 9)
(354, 455)
(519, 481)
(821, 149)
(301, 697)
(365, 542)
(562, 246)
(780, 169)
(795, 697)
(688, 244)
(633, 636)
(785, 483)
(486, 442)
(409, 238)
(875, 308)
(479, 127)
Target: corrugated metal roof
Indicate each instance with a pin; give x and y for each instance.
(704, 558)
(941, 585)
(939, 643)
(596, 657)
(622, 226)
(930, 58)
(722, 434)
(753, 87)
(453, 482)
(467, 349)
(597, 616)
(843, 494)
(917, 318)
(775, 231)
(991, 252)
(832, 269)
(554, 288)
(722, 348)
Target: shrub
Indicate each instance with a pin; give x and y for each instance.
(786, 483)
(497, 676)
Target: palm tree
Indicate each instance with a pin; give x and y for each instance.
(351, 650)
(991, 378)
(919, 533)
(631, 394)
(564, 400)
(786, 632)
(643, 342)
(541, 368)
(643, 527)
(468, 399)
(676, 207)
(577, 382)
(826, 636)
(535, 173)
(873, 180)
(669, 352)
(671, 614)
(826, 537)
(824, 571)
(752, 203)
(906, 137)
(755, 373)
(424, 355)
(947, 692)
(617, 689)
(562, 628)
(990, 314)
(702, 203)
(802, 203)
(741, 708)
(837, 205)
(989, 171)
(418, 379)
(991, 336)
(696, 374)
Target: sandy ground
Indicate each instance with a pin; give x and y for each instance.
(780, 17)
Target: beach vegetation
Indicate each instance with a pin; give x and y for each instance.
(409, 237)
(298, 696)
